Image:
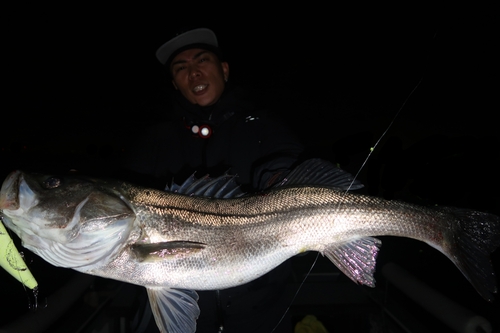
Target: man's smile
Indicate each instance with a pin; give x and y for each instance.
(200, 88)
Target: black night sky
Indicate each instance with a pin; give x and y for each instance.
(78, 80)
(66, 70)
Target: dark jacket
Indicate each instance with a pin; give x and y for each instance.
(245, 140)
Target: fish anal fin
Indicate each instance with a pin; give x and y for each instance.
(150, 252)
(174, 310)
(356, 259)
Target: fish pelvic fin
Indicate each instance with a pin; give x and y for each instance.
(356, 259)
(174, 310)
(475, 236)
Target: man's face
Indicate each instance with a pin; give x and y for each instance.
(199, 76)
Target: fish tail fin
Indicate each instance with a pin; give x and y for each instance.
(475, 236)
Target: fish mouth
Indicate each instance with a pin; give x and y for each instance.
(96, 230)
(14, 190)
(9, 194)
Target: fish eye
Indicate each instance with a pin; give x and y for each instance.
(51, 182)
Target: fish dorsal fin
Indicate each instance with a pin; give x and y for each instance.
(165, 250)
(323, 173)
(222, 187)
(356, 259)
(174, 310)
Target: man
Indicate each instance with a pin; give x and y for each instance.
(215, 128)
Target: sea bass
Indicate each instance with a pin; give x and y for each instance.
(202, 236)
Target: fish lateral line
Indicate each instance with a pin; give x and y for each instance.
(347, 241)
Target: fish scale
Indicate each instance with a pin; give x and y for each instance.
(175, 243)
(291, 226)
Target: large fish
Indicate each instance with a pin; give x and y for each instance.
(174, 243)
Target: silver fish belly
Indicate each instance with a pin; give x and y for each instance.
(175, 243)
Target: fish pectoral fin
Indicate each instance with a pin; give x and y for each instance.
(356, 259)
(150, 252)
(174, 310)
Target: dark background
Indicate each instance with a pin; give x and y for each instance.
(89, 74)
(78, 80)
